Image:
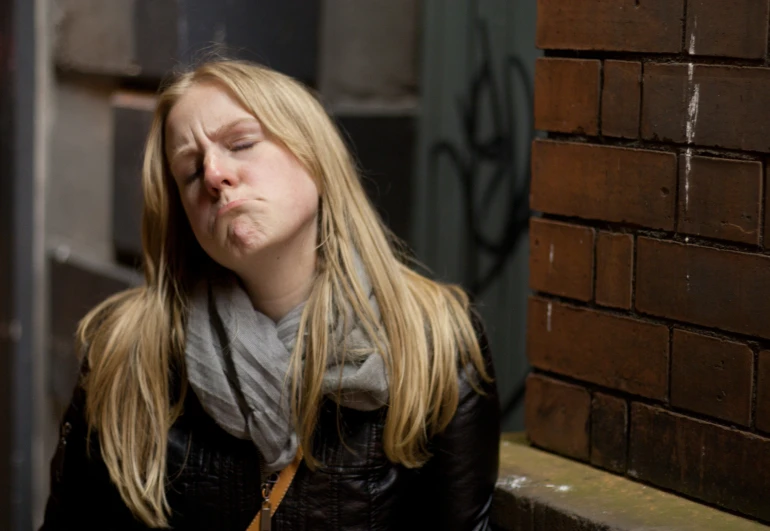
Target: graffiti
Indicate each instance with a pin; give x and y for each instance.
(496, 149)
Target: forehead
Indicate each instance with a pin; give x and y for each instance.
(205, 105)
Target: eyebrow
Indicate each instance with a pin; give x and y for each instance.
(184, 150)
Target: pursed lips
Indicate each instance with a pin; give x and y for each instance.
(229, 206)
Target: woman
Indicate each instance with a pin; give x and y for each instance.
(275, 318)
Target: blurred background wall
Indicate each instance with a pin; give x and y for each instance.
(433, 96)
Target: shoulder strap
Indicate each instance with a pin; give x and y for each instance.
(276, 495)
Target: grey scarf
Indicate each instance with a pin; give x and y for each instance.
(238, 359)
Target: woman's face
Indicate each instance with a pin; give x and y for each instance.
(243, 193)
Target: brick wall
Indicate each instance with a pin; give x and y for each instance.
(649, 328)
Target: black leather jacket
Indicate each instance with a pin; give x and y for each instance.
(214, 477)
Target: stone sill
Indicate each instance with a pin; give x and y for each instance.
(539, 491)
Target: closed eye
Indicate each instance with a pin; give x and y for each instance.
(197, 173)
(243, 146)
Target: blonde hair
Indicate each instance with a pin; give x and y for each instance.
(135, 339)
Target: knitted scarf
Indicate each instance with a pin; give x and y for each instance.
(238, 360)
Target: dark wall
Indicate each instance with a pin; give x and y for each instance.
(384, 146)
(17, 69)
(6, 300)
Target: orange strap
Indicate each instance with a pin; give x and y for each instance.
(278, 491)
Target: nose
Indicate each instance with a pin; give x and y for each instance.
(217, 175)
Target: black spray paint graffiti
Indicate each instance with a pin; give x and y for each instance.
(496, 149)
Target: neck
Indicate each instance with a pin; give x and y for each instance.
(281, 278)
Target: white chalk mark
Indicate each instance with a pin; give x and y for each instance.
(513, 482)
(692, 111)
(550, 255)
(550, 311)
(560, 488)
(691, 49)
(693, 105)
(687, 170)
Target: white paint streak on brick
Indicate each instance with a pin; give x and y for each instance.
(687, 170)
(550, 311)
(692, 109)
(693, 92)
(691, 49)
(550, 256)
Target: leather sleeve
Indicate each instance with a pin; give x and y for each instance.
(462, 473)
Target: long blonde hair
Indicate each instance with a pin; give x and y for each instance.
(134, 341)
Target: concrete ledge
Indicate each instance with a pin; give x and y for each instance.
(539, 491)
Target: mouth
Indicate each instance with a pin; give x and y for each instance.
(224, 209)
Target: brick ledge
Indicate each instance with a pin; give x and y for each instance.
(539, 491)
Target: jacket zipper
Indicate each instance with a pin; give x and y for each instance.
(65, 431)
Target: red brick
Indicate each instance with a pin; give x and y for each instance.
(763, 392)
(737, 28)
(567, 95)
(614, 269)
(710, 287)
(604, 182)
(621, 98)
(712, 376)
(732, 105)
(712, 463)
(617, 352)
(719, 198)
(561, 259)
(616, 25)
(766, 208)
(609, 430)
(557, 416)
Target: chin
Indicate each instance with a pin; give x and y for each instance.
(244, 239)
(247, 240)
(230, 244)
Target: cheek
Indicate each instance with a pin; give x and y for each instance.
(312, 202)
(304, 193)
(303, 205)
